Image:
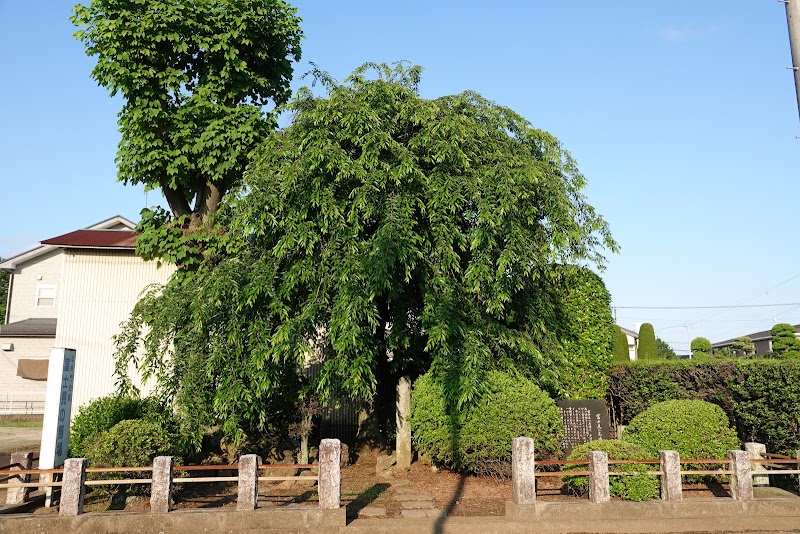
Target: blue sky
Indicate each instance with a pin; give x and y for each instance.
(681, 114)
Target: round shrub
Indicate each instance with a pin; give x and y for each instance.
(478, 439)
(694, 428)
(103, 413)
(98, 416)
(638, 486)
(132, 443)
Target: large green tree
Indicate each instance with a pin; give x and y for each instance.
(196, 77)
(393, 233)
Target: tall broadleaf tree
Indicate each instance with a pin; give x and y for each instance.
(195, 77)
(393, 233)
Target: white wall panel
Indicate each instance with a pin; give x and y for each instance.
(98, 292)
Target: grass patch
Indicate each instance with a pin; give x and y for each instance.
(19, 424)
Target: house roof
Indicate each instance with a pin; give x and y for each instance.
(756, 336)
(114, 239)
(629, 332)
(11, 263)
(29, 328)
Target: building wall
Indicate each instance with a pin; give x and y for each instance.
(100, 289)
(763, 346)
(15, 390)
(26, 278)
(632, 346)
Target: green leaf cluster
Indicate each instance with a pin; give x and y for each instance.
(784, 341)
(694, 428)
(196, 77)
(761, 398)
(589, 333)
(377, 224)
(621, 350)
(103, 413)
(636, 485)
(478, 439)
(700, 346)
(648, 349)
(4, 279)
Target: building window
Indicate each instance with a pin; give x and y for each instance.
(45, 296)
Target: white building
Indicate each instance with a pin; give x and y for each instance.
(72, 291)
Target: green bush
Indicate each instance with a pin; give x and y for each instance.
(103, 413)
(638, 486)
(589, 333)
(648, 349)
(694, 428)
(784, 342)
(700, 344)
(132, 443)
(478, 439)
(621, 352)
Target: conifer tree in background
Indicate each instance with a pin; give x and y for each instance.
(648, 349)
(4, 277)
(784, 342)
(621, 352)
(743, 346)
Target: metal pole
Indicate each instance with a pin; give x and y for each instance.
(793, 21)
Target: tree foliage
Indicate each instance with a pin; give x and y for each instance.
(700, 346)
(648, 350)
(784, 340)
(589, 340)
(4, 278)
(621, 350)
(665, 352)
(743, 346)
(380, 223)
(195, 77)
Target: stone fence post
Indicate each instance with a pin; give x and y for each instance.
(741, 476)
(161, 488)
(24, 461)
(757, 451)
(330, 475)
(599, 490)
(671, 487)
(72, 487)
(403, 434)
(248, 482)
(523, 479)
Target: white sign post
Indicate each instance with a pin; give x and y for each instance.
(57, 412)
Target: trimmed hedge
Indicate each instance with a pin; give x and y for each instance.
(478, 439)
(102, 414)
(639, 486)
(694, 428)
(760, 397)
(648, 350)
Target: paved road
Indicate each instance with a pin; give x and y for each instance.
(18, 439)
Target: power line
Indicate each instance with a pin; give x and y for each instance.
(705, 307)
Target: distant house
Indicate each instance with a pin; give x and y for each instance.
(633, 342)
(71, 291)
(762, 341)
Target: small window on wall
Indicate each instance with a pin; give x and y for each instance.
(45, 296)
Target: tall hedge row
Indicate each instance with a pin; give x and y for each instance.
(760, 397)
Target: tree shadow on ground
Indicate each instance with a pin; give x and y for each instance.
(438, 527)
(366, 498)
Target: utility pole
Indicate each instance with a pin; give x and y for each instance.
(793, 21)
